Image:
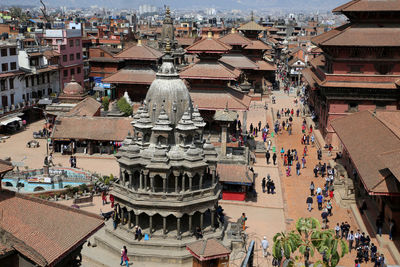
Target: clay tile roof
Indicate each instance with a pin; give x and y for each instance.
(371, 138)
(360, 35)
(51, 53)
(369, 5)
(251, 26)
(92, 128)
(208, 249)
(235, 39)
(139, 52)
(5, 166)
(87, 107)
(238, 61)
(209, 70)
(47, 231)
(208, 44)
(219, 98)
(186, 41)
(258, 45)
(264, 65)
(234, 173)
(143, 75)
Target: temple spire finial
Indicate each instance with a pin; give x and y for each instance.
(252, 16)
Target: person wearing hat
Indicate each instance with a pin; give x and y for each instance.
(264, 246)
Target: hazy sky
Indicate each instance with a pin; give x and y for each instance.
(225, 4)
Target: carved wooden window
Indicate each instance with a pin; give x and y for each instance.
(384, 68)
(355, 68)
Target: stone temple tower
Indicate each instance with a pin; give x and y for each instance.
(168, 183)
(168, 31)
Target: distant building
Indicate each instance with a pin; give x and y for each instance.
(360, 66)
(67, 42)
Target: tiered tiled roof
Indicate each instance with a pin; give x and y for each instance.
(238, 61)
(235, 38)
(258, 45)
(5, 166)
(143, 75)
(140, 52)
(209, 70)
(370, 35)
(251, 26)
(208, 249)
(92, 128)
(219, 98)
(373, 147)
(369, 5)
(208, 45)
(87, 107)
(45, 232)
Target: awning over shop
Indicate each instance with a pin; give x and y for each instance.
(9, 120)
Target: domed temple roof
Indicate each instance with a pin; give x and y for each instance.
(168, 92)
(73, 88)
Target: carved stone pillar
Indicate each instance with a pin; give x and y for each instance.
(130, 180)
(137, 219)
(183, 183)
(176, 184)
(141, 181)
(213, 220)
(164, 226)
(190, 223)
(213, 176)
(201, 220)
(190, 183)
(152, 183)
(201, 182)
(121, 177)
(130, 219)
(122, 216)
(178, 228)
(145, 182)
(164, 184)
(151, 224)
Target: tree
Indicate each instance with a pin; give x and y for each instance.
(305, 240)
(106, 102)
(124, 106)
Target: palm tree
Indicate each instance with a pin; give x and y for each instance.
(305, 240)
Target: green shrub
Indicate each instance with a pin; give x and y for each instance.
(124, 106)
(106, 102)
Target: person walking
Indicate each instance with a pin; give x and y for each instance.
(243, 221)
(115, 218)
(379, 225)
(309, 203)
(350, 239)
(259, 126)
(329, 207)
(264, 246)
(267, 156)
(392, 227)
(320, 198)
(312, 187)
(124, 256)
(298, 168)
(337, 230)
(303, 162)
(274, 158)
(263, 184)
(251, 128)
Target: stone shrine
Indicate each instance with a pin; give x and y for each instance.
(168, 183)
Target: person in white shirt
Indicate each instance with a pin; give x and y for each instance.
(337, 230)
(350, 238)
(264, 246)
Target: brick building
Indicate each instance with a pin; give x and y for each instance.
(360, 65)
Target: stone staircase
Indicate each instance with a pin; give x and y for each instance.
(155, 250)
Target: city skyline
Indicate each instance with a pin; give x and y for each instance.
(179, 4)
